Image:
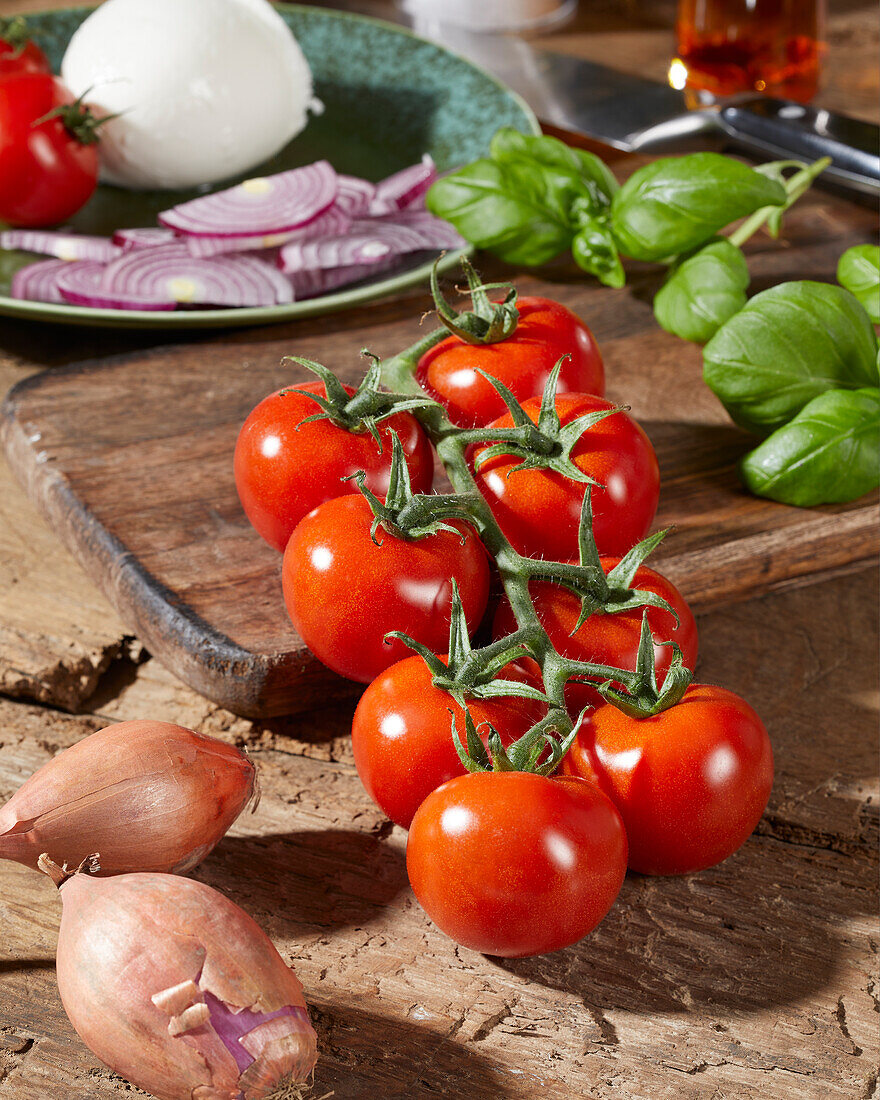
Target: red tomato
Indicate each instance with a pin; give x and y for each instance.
(691, 783)
(283, 471)
(344, 593)
(513, 864)
(546, 331)
(18, 59)
(608, 639)
(46, 172)
(402, 733)
(539, 510)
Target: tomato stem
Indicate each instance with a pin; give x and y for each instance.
(514, 569)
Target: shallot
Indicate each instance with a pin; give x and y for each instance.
(151, 795)
(173, 986)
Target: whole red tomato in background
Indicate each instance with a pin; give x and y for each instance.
(402, 733)
(17, 57)
(546, 331)
(691, 783)
(284, 468)
(608, 639)
(344, 593)
(46, 172)
(514, 864)
(539, 510)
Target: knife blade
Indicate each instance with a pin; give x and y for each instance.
(632, 113)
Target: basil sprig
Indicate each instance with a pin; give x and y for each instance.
(525, 201)
(534, 197)
(676, 203)
(859, 271)
(703, 291)
(787, 346)
(828, 454)
(801, 358)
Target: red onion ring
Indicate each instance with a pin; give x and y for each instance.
(403, 188)
(169, 273)
(333, 222)
(66, 246)
(270, 204)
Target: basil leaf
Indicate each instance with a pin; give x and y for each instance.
(518, 210)
(829, 453)
(786, 346)
(859, 271)
(594, 251)
(703, 291)
(589, 174)
(676, 203)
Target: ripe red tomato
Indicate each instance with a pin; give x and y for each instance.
(546, 331)
(402, 733)
(539, 510)
(344, 593)
(691, 782)
(26, 57)
(283, 471)
(514, 864)
(608, 639)
(46, 172)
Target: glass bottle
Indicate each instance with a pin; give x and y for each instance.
(730, 46)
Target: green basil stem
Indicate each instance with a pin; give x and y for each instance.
(795, 186)
(515, 570)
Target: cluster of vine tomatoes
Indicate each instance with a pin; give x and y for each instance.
(48, 155)
(506, 862)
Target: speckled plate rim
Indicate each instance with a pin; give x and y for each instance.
(242, 316)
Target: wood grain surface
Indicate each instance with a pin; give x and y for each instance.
(756, 980)
(131, 462)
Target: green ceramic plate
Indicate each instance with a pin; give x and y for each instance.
(389, 98)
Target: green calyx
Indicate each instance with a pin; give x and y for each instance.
(405, 514)
(538, 751)
(487, 322)
(473, 673)
(600, 592)
(644, 700)
(546, 445)
(361, 411)
(14, 32)
(78, 120)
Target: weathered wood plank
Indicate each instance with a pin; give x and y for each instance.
(757, 979)
(131, 462)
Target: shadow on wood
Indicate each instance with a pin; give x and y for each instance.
(327, 878)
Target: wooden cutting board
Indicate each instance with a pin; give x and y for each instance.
(131, 462)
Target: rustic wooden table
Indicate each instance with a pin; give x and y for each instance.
(755, 979)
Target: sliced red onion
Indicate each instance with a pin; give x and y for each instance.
(39, 282)
(143, 237)
(404, 187)
(369, 242)
(354, 195)
(434, 232)
(310, 284)
(80, 284)
(269, 204)
(169, 273)
(66, 246)
(332, 223)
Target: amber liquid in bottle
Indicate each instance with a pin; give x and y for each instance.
(771, 46)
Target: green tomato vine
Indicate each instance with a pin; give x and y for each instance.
(474, 672)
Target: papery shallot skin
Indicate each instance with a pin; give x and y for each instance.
(149, 796)
(176, 988)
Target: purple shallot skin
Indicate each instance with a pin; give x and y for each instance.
(176, 988)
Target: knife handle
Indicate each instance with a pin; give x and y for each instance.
(781, 129)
